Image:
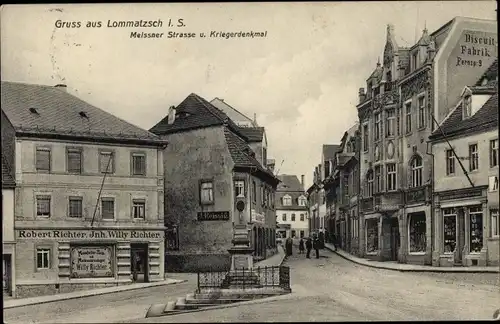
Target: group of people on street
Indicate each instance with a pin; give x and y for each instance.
(307, 245)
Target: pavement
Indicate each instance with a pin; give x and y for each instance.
(409, 267)
(332, 288)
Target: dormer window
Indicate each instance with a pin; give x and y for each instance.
(287, 200)
(34, 111)
(302, 201)
(467, 106)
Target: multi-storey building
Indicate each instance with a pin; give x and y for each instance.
(213, 180)
(465, 151)
(89, 194)
(291, 207)
(396, 116)
(234, 114)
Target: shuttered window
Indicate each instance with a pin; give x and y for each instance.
(74, 159)
(138, 164)
(43, 159)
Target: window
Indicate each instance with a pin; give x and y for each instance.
(421, 112)
(302, 201)
(207, 192)
(301, 234)
(138, 208)
(378, 179)
(283, 217)
(391, 177)
(239, 188)
(476, 229)
(43, 206)
(43, 159)
(473, 157)
(414, 61)
(42, 258)
(346, 188)
(293, 217)
(302, 217)
(287, 201)
(377, 126)
(293, 233)
(107, 208)
(254, 191)
(74, 160)
(365, 137)
(264, 156)
(417, 232)
(390, 129)
(371, 236)
(494, 153)
(450, 230)
(106, 162)
(369, 183)
(138, 164)
(467, 106)
(416, 172)
(495, 224)
(450, 162)
(75, 207)
(408, 117)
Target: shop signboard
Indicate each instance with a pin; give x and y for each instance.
(91, 261)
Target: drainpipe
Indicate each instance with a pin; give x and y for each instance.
(429, 152)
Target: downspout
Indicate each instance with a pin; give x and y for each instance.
(433, 223)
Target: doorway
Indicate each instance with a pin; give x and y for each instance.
(7, 275)
(395, 238)
(139, 264)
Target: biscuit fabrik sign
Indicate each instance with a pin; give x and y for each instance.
(31, 234)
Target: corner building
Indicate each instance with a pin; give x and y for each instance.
(89, 194)
(406, 96)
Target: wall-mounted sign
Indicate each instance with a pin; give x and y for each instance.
(91, 261)
(213, 216)
(62, 234)
(474, 47)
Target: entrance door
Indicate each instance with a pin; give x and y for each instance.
(7, 274)
(139, 264)
(461, 236)
(395, 241)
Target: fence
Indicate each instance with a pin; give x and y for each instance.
(260, 277)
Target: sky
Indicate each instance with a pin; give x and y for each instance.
(301, 81)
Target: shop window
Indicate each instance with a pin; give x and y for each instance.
(139, 208)
(293, 217)
(450, 230)
(371, 235)
(473, 157)
(75, 207)
(138, 164)
(476, 229)
(106, 162)
(43, 206)
(42, 258)
(495, 225)
(417, 233)
(43, 159)
(107, 208)
(494, 153)
(206, 192)
(450, 162)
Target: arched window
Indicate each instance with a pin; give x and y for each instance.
(369, 183)
(287, 200)
(416, 166)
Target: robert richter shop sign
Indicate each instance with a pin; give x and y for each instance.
(31, 234)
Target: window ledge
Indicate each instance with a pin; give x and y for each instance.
(494, 238)
(371, 253)
(207, 203)
(408, 134)
(416, 253)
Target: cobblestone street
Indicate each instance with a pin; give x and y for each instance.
(334, 289)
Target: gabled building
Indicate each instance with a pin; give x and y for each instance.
(465, 152)
(406, 96)
(89, 194)
(209, 168)
(291, 207)
(235, 115)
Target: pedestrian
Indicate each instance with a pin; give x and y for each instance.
(334, 241)
(308, 247)
(301, 246)
(316, 246)
(289, 246)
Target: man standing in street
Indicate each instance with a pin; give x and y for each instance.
(308, 247)
(316, 246)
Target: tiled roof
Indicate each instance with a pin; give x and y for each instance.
(329, 151)
(47, 110)
(232, 112)
(7, 175)
(253, 134)
(289, 183)
(377, 73)
(192, 113)
(491, 75)
(485, 118)
(295, 202)
(241, 154)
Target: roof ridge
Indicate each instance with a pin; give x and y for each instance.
(209, 109)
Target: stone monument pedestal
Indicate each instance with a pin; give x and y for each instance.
(241, 252)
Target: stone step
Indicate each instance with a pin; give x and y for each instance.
(216, 301)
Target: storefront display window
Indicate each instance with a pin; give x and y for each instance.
(371, 235)
(417, 232)
(476, 229)
(450, 230)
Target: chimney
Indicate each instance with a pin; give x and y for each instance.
(62, 87)
(362, 95)
(302, 181)
(171, 115)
